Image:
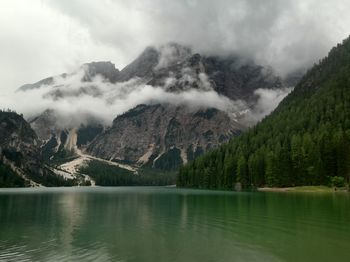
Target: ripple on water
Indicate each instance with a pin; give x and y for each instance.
(141, 224)
(49, 251)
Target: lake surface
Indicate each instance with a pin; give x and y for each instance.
(169, 224)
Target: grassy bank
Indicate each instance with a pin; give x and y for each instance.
(311, 189)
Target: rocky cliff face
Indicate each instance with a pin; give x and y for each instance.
(59, 143)
(229, 76)
(162, 135)
(18, 142)
(19, 149)
(21, 155)
(176, 68)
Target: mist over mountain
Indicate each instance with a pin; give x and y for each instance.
(288, 36)
(197, 84)
(168, 74)
(199, 101)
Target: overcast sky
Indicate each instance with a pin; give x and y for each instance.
(40, 38)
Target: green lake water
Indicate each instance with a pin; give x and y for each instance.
(169, 224)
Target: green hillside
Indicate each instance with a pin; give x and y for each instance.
(305, 141)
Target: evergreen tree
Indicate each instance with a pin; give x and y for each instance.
(305, 141)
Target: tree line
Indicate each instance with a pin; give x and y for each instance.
(107, 175)
(305, 141)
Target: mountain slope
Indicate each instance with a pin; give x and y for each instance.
(171, 70)
(305, 141)
(163, 136)
(176, 70)
(20, 156)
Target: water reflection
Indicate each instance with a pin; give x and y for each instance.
(159, 224)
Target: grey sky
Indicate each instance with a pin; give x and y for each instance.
(40, 38)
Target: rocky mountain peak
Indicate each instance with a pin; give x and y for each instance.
(154, 59)
(138, 134)
(105, 69)
(171, 54)
(142, 66)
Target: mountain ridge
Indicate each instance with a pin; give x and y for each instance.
(173, 69)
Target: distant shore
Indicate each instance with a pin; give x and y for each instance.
(311, 189)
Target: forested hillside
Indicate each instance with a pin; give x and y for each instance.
(305, 141)
(20, 155)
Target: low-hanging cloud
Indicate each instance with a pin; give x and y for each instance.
(76, 102)
(39, 38)
(268, 100)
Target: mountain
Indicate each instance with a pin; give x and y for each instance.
(20, 155)
(163, 136)
(176, 68)
(305, 141)
(157, 134)
(91, 70)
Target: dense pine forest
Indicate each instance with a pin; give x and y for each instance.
(305, 141)
(107, 175)
(8, 178)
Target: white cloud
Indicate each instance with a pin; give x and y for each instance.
(268, 100)
(284, 34)
(37, 41)
(40, 38)
(169, 54)
(76, 102)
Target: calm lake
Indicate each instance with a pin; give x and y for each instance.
(169, 224)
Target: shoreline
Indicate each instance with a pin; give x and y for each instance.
(305, 189)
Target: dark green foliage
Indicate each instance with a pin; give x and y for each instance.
(51, 157)
(304, 141)
(170, 160)
(87, 183)
(191, 154)
(155, 177)
(338, 181)
(62, 156)
(12, 122)
(108, 175)
(18, 146)
(87, 133)
(13, 156)
(63, 137)
(8, 178)
(48, 149)
(49, 179)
